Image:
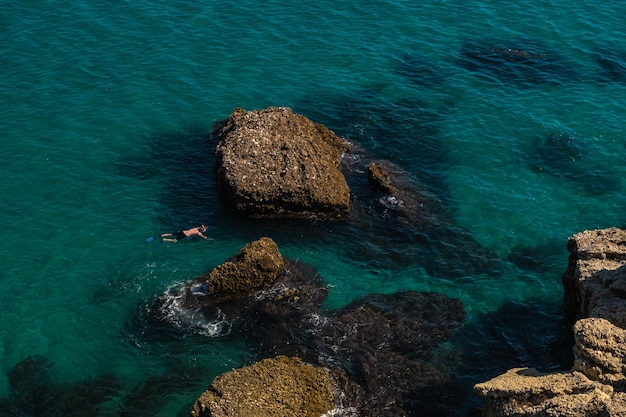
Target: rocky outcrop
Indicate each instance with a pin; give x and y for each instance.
(527, 392)
(256, 265)
(275, 163)
(256, 285)
(595, 280)
(274, 387)
(600, 351)
(594, 285)
(407, 200)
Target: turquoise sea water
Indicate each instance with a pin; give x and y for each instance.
(105, 112)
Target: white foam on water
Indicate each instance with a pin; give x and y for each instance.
(192, 320)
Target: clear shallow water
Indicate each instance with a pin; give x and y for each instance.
(105, 111)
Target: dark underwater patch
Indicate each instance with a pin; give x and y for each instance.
(34, 394)
(539, 258)
(151, 395)
(565, 155)
(419, 71)
(183, 162)
(518, 62)
(612, 65)
(531, 333)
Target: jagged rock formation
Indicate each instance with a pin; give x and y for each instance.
(407, 200)
(595, 280)
(527, 392)
(256, 284)
(273, 387)
(600, 351)
(596, 385)
(275, 163)
(256, 265)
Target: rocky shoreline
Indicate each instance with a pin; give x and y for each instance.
(594, 284)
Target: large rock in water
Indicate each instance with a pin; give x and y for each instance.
(255, 286)
(274, 387)
(256, 265)
(275, 163)
(594, 283)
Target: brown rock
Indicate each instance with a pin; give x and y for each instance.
(275, 163)
(257, 264)
(526, 392)
(595, 279)
(276, 387)
(600, 351)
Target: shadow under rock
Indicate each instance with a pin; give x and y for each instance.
(531, 333)
(551, 256)
(183, 162)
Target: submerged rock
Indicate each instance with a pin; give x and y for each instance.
(520, 62)
(273, 387)
(564, 155)
(385, 343)
(418, 71)
(408, 200)
(33, 392)
(424, 226)
(275, 163)
(612, 65)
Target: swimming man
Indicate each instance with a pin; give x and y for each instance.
(175, 237)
